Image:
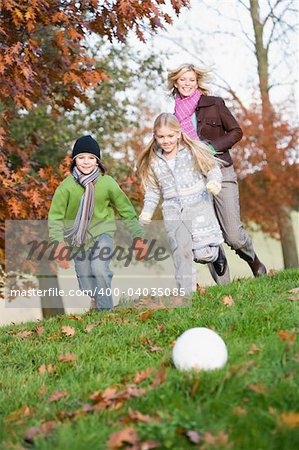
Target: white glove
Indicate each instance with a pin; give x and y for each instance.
(145, 218)
(214, 187)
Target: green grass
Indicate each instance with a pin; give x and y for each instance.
(115, 349)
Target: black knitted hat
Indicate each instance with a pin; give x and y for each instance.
(86, 144)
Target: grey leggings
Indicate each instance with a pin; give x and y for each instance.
(227, 208)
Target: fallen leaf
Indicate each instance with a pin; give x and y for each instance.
(42, 391)
(68, 331)
(73, 317)
(239, 370)
(193, 436)
(159, 378)
(117, 439)
(194, 387)
(296, 357)
(43, 369)
(110, 394)
(143, 375)
(145, 315)
(246, 367)
(272, 273)
(43, 430)
(68, 357)
(39, 330)
(89, 327)
(160, 327)
(294, 298)
(134, 391)
(253, 349)
(200, 289)
(290, 374)
(148, 445)
(289, 336)
(258, 388)
(227, 300)
(294, 291)
(150, 344)
(288, 420)
(218, 441)
(137, 416)
(24, 334)
(57, 395)
(239, 411)
(19, 414)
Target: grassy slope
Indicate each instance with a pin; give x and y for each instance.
(113, 352)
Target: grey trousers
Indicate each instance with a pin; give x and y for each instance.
(179, 232)
(227, 208)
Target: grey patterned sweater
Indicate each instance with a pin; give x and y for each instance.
(185, 196)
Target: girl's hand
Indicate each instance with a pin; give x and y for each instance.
(60, 256)
(214, 187)
(140, 249)
(145, 218)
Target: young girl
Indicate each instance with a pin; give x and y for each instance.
(85, 200)
(185, 173)
(205, 117)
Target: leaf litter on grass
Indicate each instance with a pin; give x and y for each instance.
(287, 420)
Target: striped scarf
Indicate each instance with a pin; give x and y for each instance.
(77, 232)
(183, 111)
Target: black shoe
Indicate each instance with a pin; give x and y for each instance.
(257, 267)
(220, 264)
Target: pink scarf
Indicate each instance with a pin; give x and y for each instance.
(183, 111)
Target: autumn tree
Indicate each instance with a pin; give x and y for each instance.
(45, 58)
(265, 31)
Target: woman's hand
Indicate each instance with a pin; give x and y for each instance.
(214, 187)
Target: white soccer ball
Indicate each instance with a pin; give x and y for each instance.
(199, 348)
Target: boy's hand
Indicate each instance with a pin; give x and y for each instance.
(214, 187)
(140, 249)
(60, 256)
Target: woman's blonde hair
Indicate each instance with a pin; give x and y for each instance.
(203, 77)
(199, 150)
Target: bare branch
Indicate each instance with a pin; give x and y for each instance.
(232, 93)
(220, 13)
(277, 19)
(274, 85)
(194, 55)
(244, 33)
(245, 6)
(271, 13)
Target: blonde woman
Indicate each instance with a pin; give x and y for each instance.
(185, 174)
(207, 119)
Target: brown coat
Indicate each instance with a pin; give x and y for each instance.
(217, 125)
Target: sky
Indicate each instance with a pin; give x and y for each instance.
(218, 36)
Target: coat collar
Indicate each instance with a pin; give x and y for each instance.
(159, 152)
(206, 100)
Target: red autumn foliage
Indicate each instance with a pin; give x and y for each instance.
(45, 59)
(267, 165)
(44, 54)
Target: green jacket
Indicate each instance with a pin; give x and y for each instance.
(108, 195)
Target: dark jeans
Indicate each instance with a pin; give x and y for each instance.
(93, 271)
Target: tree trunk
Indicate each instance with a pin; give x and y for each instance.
(287, 239)
(261, 52)
(52, 305)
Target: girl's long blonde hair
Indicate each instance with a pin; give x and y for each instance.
(203, 77)
(199, 150)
